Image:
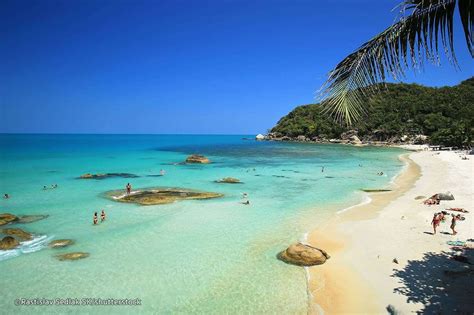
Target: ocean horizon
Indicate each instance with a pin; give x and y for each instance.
(192, 256)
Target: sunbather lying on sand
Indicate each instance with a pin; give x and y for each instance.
(433, 200)
(458, 209)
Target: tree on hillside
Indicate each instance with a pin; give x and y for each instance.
(423, 26)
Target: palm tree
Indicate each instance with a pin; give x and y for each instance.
(406, 44)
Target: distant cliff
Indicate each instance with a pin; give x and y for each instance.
(400, 113)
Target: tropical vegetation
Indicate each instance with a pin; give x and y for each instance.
(444, 114)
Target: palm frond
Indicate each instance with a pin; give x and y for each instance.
(407, 43)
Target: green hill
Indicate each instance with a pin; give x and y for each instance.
(401, 111)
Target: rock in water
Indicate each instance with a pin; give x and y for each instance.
(60, 243)
(303, 255)
(6, 218)
(72, 256)
(420, 197)
(107, 175)
(8, 242)
(158, 196)
(196, 158)
(31, 218)
(22, 235)
(229, 180)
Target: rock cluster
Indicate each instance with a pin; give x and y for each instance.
(6, 218)
(303, 255)
(19, 233)
(376, 137)
(60, 243)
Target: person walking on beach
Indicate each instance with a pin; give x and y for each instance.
(129, 188)
(95, 219)
(102, 216)
(435, 222)
(453, 223)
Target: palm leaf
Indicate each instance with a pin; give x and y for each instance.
(406, 44)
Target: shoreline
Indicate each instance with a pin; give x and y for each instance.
(358, 277)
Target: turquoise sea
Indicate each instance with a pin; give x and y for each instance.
(209, 256)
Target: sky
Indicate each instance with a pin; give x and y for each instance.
(180, 67)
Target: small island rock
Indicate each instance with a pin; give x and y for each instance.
(8, 242)
(196, 158)
(303, 255)
(107, 175)
(158, 196)
(229, 180)
(72, 256)
(60, 243)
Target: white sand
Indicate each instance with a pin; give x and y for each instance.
(363, 277)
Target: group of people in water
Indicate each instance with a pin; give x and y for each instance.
(95, 219)
(52, 187)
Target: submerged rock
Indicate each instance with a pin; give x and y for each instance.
(72, 256)
(375, 190)
(303, 255)
(22, 235)
(229, 180)
(158, 196)
(196, 158)
(6, 218)
(60, 243)
(420, 197)
(107, 175)
(31, 218)
(8, 242)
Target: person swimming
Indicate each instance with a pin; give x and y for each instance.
(95, 219)
(162, 172)
(6, 196)
(102, 216)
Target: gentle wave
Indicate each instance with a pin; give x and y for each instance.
(27, 247)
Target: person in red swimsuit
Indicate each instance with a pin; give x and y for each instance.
(435, 222)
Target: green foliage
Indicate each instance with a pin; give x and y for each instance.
(444, 114)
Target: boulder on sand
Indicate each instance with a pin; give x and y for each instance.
(8, 242)
(6, 218)
(303, 255)
(72, 256)
(60, 243)
(196, 158)
(446, 196)
(229, 180)
(22, 235)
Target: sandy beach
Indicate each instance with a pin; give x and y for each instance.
(383, 252)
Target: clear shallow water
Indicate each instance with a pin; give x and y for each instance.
(213, 256)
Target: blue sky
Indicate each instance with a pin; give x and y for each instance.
(142, 66)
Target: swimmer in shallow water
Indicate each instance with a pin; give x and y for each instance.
(95, 219)
(102, 216)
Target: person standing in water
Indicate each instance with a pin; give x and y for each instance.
(322, 169)
(102, 216)
(129, 188)
(162, 172)
(95, 219)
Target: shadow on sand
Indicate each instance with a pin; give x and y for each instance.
(441, 283)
